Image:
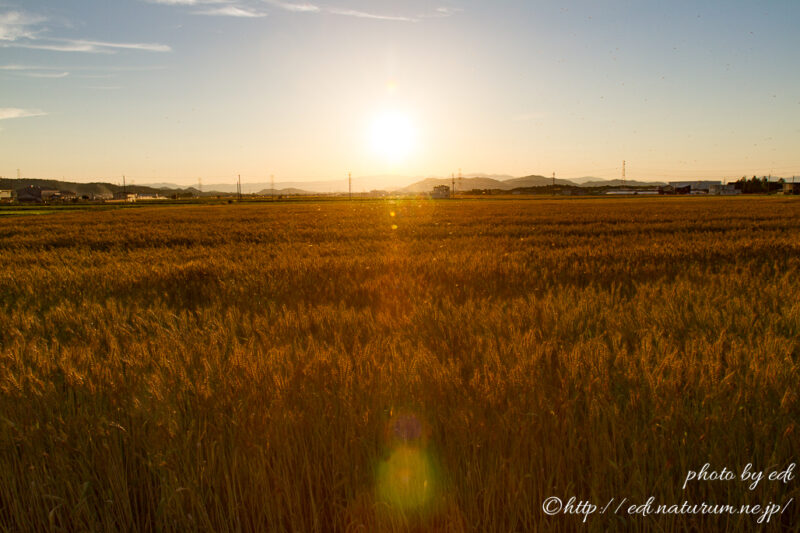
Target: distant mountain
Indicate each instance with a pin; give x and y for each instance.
(463, 184)
(620, 183)
(359, 184)
(165, 185)
(284, 192)
(78, 188)
(408, 184)
(498, 177)
(467, 184)
(308, 186)
(585, 179)
(534, 181)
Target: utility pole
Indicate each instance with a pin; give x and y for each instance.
(452, 185)
(349, 186)
(239, 188)
(554, 183)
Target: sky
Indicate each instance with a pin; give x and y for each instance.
(181, 90)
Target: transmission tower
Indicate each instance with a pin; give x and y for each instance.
(623, 172)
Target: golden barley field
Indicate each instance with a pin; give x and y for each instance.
(402, 365)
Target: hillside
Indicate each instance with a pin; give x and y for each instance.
(467, 184)
(619, 183)
(291, 191)
(83, 188)
(534, 181)
(461, 184)
(99, 187)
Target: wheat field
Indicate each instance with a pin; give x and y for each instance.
(399, 365)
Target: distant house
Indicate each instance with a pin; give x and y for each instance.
(791, 188)
(724, 190)
(50, 194)
(633, 192)
(5, 194)
(441, 191)
(693, 187)
(31, 194)
(126, 196)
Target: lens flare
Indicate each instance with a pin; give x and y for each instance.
(407, 480)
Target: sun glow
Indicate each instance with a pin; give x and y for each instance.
(392, 135)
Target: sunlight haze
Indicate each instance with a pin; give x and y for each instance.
(176, 90)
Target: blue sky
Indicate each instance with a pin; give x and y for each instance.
(176, 90)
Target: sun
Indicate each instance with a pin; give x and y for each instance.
(392, 135)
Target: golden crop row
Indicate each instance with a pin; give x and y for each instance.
(236, 367)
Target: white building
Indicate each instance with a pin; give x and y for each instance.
(441, 191)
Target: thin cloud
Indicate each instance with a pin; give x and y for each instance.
(235, 9)
(442, 12)
(186, 2)
(22, 30)
(55, 47)
(15, 112)
(105, 71)
(312, 8)
(45, 74)
(80, 45)
(232, 11)
(366, 15)
(18, 25)
(298, 8)
(25, 67)
(220, 8)
(148, 47)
